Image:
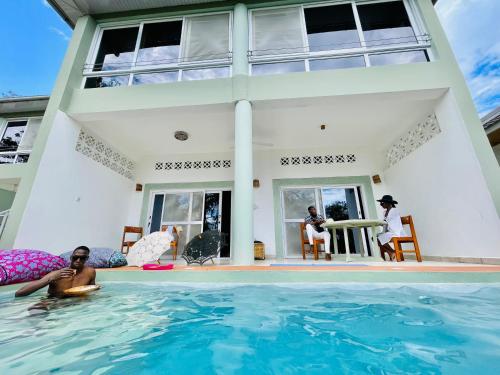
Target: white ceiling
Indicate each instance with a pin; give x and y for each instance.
(363, 121)
(71, 10)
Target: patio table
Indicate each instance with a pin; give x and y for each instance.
(354, 223)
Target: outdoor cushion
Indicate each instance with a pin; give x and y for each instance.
(100, 257)
(21, 265)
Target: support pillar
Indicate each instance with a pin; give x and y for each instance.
(240, 40)
(242, 212)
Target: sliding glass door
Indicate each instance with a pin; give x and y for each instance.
(338, 203)
(193, 212)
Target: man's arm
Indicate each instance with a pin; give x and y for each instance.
(92, 278)
(44, 281)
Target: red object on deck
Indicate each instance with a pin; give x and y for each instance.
(158, 267)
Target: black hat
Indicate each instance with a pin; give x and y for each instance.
(387, 199)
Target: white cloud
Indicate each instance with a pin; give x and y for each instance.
(59, 32)
(473, 31)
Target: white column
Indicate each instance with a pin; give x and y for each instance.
(242, 212)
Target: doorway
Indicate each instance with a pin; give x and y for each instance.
(335, 202)
(193, 212)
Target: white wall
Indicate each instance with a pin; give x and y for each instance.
(74, 201)
(266, 168)
(442, 186)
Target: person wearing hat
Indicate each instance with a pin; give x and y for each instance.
(392, 228)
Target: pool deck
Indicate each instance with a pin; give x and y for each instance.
(298, 270)
(308, 271)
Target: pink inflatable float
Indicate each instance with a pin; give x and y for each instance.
(158, 267)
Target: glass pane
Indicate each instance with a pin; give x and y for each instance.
(206, 38)
(385, 24)
(340, 63)
(162, 77)
(277, 31)
(7, 159)
(30, 134)
(115, 81)
(160, 43)
(335, 202)
(211, 220)
(296, 202)
(156, 214)
(278, 68)
(210, 73)
(22, 158)
(331, 27)
(197, 209)
(12, 135)
(292, 233)
(398, 58)
(176, 207)
(117, 49)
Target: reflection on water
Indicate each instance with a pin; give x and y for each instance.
(164, 328)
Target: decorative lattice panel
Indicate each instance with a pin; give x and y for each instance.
(189, 164)
(102, 153)
(416, 137)
(317, 159)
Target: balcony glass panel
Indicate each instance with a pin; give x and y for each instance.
(331, 28)
(210, 73)
(114, 81)
(398, 58)
(116, 50)
(162, 77)
(160, 43)
(206, 38)
(278, 68)
(12, 135)
(340, 63)
(385, 23)
(277, 31)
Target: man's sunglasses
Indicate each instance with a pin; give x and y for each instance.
(83, 258)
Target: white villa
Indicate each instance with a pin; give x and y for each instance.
(237, 117)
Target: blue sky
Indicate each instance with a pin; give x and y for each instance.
(34, 39)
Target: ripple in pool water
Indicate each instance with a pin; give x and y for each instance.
(255, 329)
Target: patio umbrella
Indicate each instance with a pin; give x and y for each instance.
(149, 248)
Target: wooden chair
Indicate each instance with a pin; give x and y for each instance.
(397, 241)
(127, 244)
(173, 244)
(314, 248)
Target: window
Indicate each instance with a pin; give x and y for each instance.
(385, 23)
(331, 27)
(117, 49)
(157, 52)
(18, 137)
(337, 36)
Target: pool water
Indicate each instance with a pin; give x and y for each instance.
(140, 328)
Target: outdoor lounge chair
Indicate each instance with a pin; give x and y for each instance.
(204, 247)
(174, 243)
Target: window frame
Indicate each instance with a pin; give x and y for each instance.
(17, 153)
(364, 51)
(169, 67)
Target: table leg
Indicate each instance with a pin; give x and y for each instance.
(361, 243)
(347, 249)
(335, 245)
(375, 248)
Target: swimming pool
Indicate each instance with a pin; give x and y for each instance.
(147, 328)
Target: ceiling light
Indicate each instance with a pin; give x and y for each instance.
(181, 135)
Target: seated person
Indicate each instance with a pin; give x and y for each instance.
(393, 228)
(313, 229)
(58, 281)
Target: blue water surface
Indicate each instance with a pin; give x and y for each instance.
(139, 328)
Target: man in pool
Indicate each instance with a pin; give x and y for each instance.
(58, 281)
